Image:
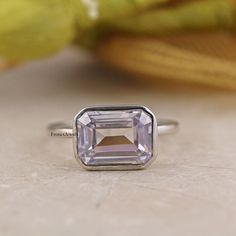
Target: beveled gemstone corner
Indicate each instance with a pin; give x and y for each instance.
(115, 137)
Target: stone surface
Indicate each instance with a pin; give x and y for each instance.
(189, 191)
(114, 136)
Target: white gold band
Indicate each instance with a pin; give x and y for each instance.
(65, 129)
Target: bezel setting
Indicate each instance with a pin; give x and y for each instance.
(115, 166)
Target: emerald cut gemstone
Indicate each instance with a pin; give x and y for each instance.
(114, 136)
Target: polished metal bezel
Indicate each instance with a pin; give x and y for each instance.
(123, 166)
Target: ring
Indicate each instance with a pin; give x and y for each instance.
(114, 137)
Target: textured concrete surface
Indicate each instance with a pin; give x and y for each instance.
(190, 190)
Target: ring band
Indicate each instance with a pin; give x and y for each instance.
(64, 129)
(114, 138)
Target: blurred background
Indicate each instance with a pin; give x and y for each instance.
(176, 57)
(178, 40)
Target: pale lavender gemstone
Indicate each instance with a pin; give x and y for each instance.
(114, 137)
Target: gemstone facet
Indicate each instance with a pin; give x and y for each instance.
(115, 137)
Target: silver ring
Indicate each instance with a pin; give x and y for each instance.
(114, 137)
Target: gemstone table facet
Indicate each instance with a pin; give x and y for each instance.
(114, 136)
